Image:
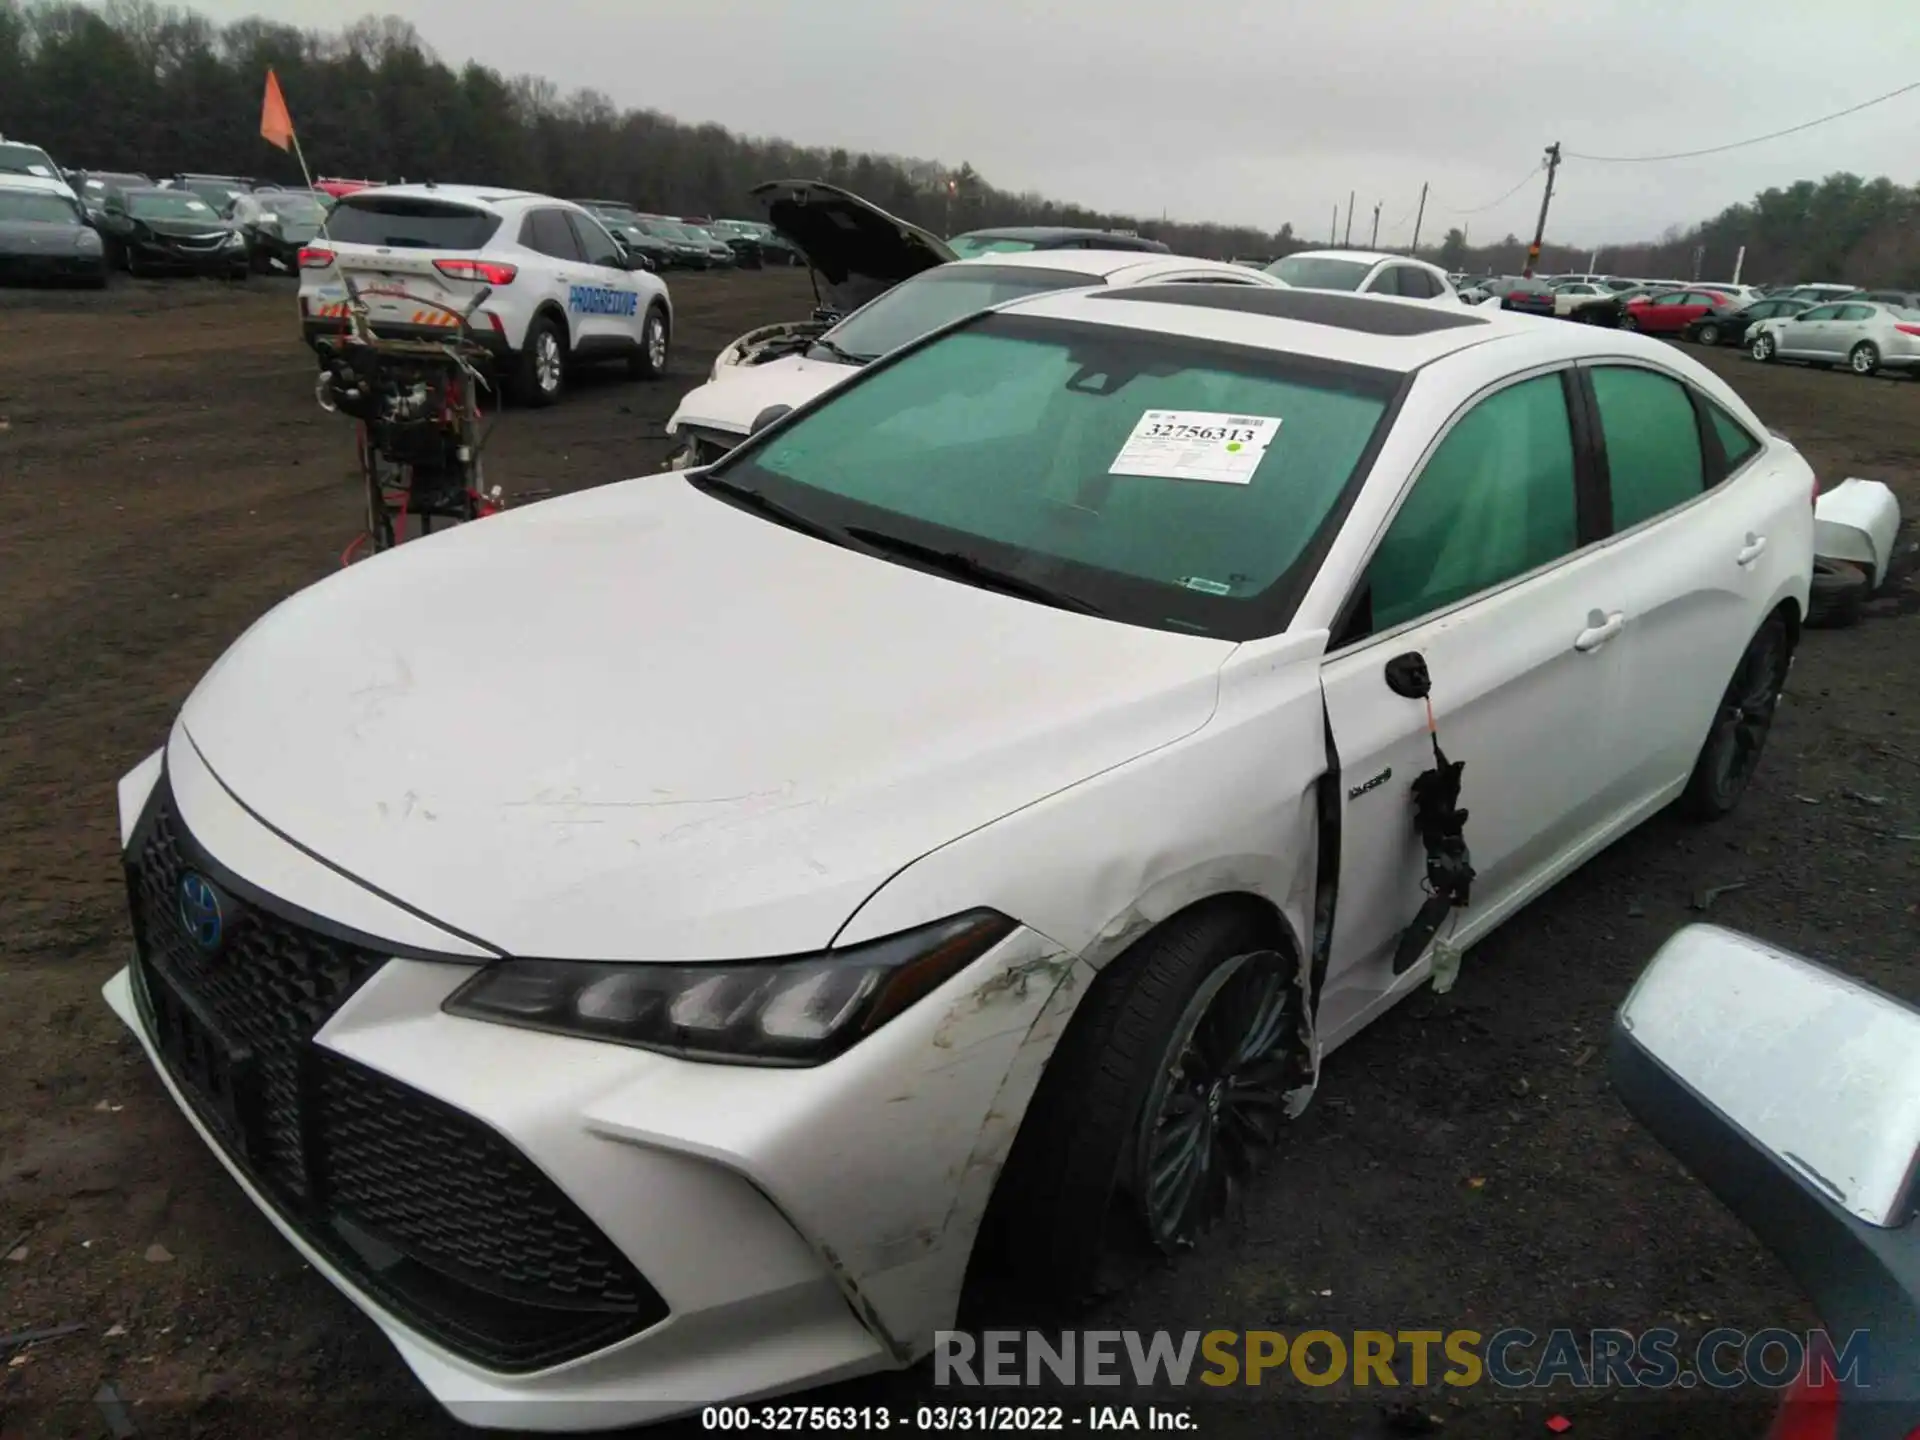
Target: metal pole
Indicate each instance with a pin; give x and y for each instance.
(1414, 248)
(1739, 260)
(1349, 239)
(1333, 230)
(1593, 262)
(1546, 199)
(1374, 243)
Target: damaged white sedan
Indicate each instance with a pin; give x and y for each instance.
(1069, 731)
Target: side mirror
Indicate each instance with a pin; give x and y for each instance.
(1793, 1093)
(766, 417)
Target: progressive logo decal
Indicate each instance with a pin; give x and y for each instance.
(600, 300)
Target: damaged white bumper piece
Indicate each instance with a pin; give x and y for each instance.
(1858, 521)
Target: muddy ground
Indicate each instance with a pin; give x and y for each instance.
(165, 476)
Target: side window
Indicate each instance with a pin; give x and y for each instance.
(598, 246)
(1855, 312)
(1819, 312)
(1653, 442)
(1423, 287)
(1735, 440)
(1385, 282)
(1495, 500)
(547, 231)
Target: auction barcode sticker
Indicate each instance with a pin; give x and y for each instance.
(1197, 445)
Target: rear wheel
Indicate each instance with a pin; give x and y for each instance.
(1864, 358)
(1627, 322)
(1166, 1091)
(1732, 750)
(541, 373)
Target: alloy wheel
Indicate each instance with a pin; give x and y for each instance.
(1218, 1098)
(1746, 714)
(656, 343)
(1709, 335)
(1864, 359)
(547, 361)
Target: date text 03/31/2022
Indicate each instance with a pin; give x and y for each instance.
(945, 1419)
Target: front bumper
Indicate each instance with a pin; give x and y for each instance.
(25, 267)
(793, 1227)
(223, 261)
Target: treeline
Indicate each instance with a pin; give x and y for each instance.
(135, 85)
(1843, 229)
(140, 86)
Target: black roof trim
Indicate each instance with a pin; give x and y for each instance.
(1314, 307)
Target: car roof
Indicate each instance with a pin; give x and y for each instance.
(1365, 257)
(1037, 232)
(1096, 262)
(464, 194)
(1376, 331)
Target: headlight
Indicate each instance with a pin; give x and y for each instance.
(234, 237)
(798, 1011)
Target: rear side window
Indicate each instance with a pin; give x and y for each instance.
(413, 224)
(1653, 442)
(1738, 446)
(547, 231)
(1496, 500)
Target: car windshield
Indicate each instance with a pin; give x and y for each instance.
(27, 160)
(664, 230)
(409, 222)
(213, 192)
(935, 298)
(1320, 272)
(968, 246)
(701, 235)
(36, 205)
(169, 205)
(1166, 482)
(300, 209)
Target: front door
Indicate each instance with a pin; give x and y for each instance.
(1806, 335)
(1482, 572)
(604, 306)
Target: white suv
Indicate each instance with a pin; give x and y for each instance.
(564, 291)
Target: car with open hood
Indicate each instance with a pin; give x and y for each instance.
(173, 230)
(278, 224)
(46, 235)
(783, 367)
(647, 949)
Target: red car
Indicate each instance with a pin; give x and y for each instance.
(1673, 312)
(331, 185)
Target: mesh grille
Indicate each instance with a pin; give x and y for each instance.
(423, 1206)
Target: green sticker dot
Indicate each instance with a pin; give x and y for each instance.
(1233, 445)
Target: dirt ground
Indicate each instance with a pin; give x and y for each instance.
(165, 475)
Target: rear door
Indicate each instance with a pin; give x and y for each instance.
(547, 233)
(1486, 572)
(1708, 521)
(1852, 324)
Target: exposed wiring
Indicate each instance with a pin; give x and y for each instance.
(1739, 144)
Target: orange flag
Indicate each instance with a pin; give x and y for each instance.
(276, 125)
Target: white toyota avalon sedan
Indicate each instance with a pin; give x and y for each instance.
(958, 823)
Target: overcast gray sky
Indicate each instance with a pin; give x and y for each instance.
(1252, 111)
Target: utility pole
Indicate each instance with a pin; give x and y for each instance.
(1374, 243)
(1349, 239)
(1333, 230)
(1414, 249)
(1540, 229)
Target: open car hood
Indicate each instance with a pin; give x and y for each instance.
(856, 249)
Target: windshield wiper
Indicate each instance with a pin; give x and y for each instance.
(763, 504)
(845, 357)
(967, 568)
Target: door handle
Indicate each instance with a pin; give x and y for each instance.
(1600, 629)
(1756, 546)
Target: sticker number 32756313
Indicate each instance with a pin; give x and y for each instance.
(1196, 445)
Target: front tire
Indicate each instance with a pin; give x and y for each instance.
(1708, 335)
(1627, 322)
(1763, 348)
(1133, 1144)
(649, 362)
(1864, 358)
(1731, 753)
(540, 375)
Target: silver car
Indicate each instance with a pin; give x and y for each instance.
(1867, 338)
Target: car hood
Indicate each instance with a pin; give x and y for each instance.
(857, 249)
(35, 237)
(731, 402)
(639, 723)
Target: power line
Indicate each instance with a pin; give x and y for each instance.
(1526, 180)
(1739, 144)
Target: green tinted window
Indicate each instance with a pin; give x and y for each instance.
(1653, 442)
(1010, 432)
(1734, 439)
(1495, 501)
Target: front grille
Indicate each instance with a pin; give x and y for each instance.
(421, 1205)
